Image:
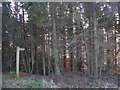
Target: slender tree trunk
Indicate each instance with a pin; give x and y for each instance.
(10, 56)
(32, 51)
(57, 68)
(43, 54)
(95, 41)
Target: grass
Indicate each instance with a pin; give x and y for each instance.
(23, 82)
(32, 83)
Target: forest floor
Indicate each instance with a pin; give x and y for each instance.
(66, 80)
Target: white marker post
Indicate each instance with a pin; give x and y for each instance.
(17, 60)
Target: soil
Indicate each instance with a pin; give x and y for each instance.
(66, 80)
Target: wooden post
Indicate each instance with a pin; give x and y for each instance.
(17, 60)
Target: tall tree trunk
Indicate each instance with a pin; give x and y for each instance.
(32, 50)
(43, 53)
(95, 41)
(56, 56)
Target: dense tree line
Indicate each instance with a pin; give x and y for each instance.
(62, 37)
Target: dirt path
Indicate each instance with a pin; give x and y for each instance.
(66, 80)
